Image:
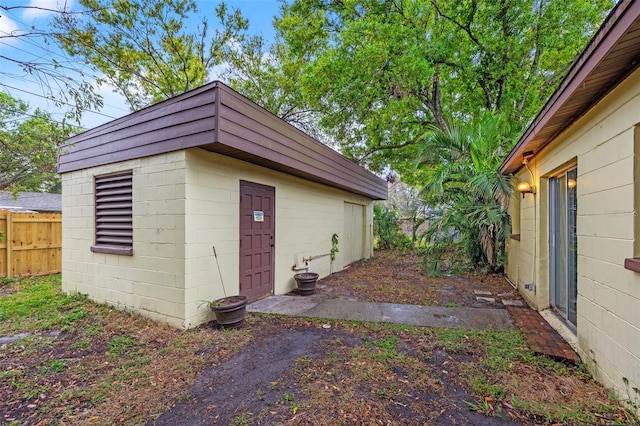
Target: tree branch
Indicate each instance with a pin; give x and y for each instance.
(384, 148)
(466, 28)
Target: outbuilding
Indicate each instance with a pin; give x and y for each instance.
(575, 249)
(150, 198)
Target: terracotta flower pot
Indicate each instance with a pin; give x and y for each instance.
(306, 282)
(230, 311)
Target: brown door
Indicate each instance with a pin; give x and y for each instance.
(257, 239)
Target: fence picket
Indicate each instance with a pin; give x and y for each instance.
(32, 244)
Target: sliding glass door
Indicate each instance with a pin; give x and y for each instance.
(563, 244)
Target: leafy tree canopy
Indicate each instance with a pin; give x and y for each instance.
(143, 47)
(29, 142)
(269, 75)
(381, 71)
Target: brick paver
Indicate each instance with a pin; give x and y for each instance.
(541, 337)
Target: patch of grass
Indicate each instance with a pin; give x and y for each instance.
(39, 305)
(501, 355)
(288, 397)
(389, 343)
(93, 330)
(119, 345)
(4, 281)
(184, 396)
(381, 392)
(240, 420)
(274, 385)
(35, 392)
(10, 374)
(81, 344)
(484, 407)
(480, 386)
(56, 366)
(138, 359)
(453, 340)
(574, 413)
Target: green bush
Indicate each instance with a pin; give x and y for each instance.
(387, 230)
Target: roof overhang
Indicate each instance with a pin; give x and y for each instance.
(215, 117)
(611, 55)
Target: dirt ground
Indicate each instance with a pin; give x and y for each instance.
(252, 388)
(265, 381)
(109, 367)
(397, 277)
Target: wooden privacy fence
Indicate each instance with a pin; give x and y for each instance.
(31, 245)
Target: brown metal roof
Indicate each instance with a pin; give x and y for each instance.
(611, 55)
(216, 118)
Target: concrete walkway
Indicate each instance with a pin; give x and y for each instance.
(346, 309)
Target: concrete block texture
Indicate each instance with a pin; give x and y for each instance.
(150, 282)
(184, 204)
(604, 146)
(307, 215)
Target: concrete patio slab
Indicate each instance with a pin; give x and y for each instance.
(427, 316)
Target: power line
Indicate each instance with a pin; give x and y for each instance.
(54, 100)
(28, 41)
(24, 78)
(50, 52)
(43, 56)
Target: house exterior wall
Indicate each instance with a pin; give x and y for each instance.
(152, 281)
(605, 147)
(307, 215)
(184, 203)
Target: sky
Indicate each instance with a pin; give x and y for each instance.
(24, 86)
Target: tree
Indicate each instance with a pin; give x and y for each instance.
(143, 48)
(30, 143)
(59, 81)
(462, 179)
(381, 72)
(407, 201)
(269, 75)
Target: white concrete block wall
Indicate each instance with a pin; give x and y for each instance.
(603, 146)
(307, 215)
(185, 203)
(150, 282)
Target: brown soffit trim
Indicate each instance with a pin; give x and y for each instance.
(632, 264)
(124, 251)
(515, 237)
(613, 28)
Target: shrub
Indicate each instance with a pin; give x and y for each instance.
(387, 230)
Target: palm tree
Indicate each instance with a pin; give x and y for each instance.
(461, 177)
